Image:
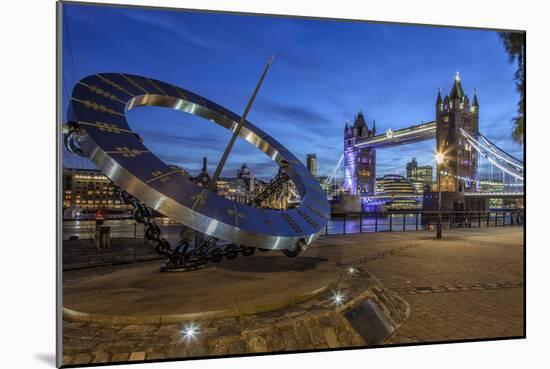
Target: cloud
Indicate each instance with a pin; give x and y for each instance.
(292, 113)
(193, 140)
(178, 30)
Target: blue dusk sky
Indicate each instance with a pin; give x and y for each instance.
(324, 72)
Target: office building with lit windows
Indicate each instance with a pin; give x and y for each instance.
(418, 173)
(311, 163)
(89, 189)
(401, 192)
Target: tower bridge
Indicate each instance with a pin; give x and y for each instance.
(390, 138)
(457, 136)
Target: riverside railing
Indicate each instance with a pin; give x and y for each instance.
(417, 220)
(340, 223)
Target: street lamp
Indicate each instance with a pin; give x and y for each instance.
(439, 158)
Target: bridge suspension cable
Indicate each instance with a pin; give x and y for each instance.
(495, 147)
(332, 174)
(494, 157)
(495, 151)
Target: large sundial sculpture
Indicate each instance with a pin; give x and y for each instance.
(97, 129)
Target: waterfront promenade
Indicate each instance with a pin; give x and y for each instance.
(469, 285)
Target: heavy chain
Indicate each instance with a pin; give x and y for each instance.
(181, 257)
(144, 215)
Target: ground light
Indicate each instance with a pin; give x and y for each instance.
(338, 297)
(190, 332)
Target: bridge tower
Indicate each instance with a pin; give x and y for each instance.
(453, 113)
(359, 163)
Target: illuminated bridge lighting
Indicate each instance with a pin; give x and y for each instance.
(412, 134)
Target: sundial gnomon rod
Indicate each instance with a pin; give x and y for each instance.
(229, 147)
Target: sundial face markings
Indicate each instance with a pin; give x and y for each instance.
(127, 152)
(115, 85)
(95, 106)
(308, 219)
(295, 227)
(235, 212)
(266, 220)
(106, 127)
(159, 175)
(134, 83)
(317, 212)
(156, 86)
(203, 102)
(180, 92)
(199, 199)
(102, 92)
(236, 217)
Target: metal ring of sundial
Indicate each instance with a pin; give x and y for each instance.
(98, 105)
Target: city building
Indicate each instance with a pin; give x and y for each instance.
(203, 178)
(89, 190)
(243, 188)
(423, 173)
(311, 162)
(247, 177)
(403, 194)
(492, 186)
(419, 186)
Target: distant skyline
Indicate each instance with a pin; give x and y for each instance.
(324, 73)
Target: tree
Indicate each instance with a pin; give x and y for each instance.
(514, 43)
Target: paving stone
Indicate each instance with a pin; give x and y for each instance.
(222, 345)
(175, 350)
(100, 357)
(120, 356)
(199, 347)
(66, 360)
(302, 336)
(82, 359)
(288, 338)
(256, 344)
(274, 339)
(135, 356)
(317, 337)
(156, 356)
(331, 337)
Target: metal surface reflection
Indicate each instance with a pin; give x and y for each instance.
(99, 131)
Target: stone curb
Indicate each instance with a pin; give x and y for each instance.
(370, 315)
(176, 318)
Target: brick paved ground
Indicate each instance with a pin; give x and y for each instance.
(463, 315)
(468, 285)
(83, 253)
